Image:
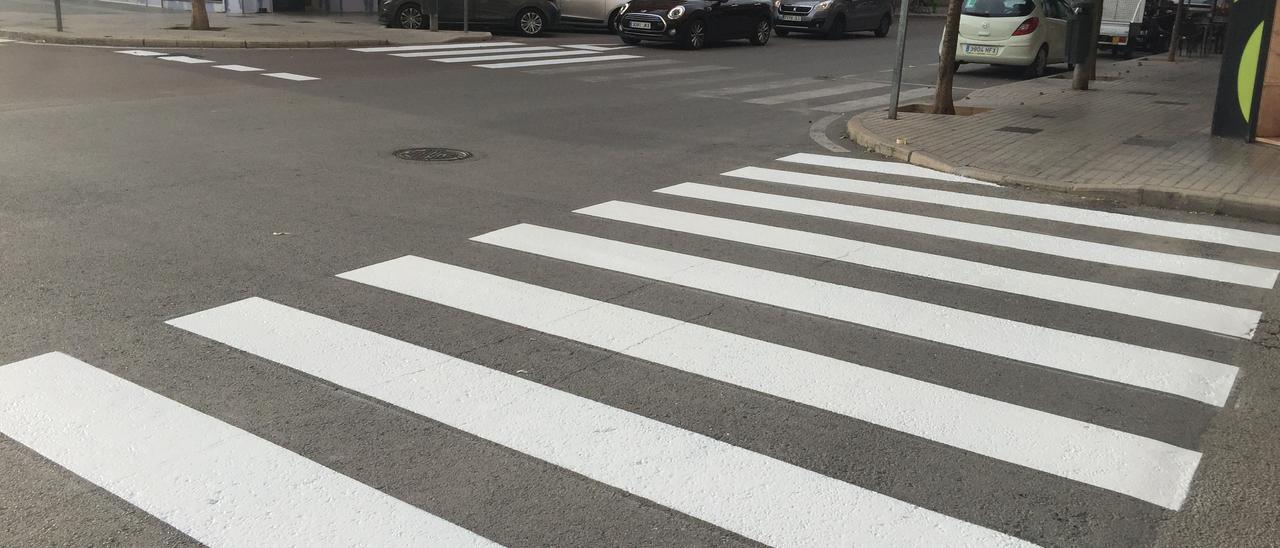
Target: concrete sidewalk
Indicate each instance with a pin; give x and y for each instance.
(1140, 138)
(92, 23)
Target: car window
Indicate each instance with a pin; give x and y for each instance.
(998, 8)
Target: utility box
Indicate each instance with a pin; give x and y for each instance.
(1080, 32)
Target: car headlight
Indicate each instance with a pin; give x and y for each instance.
(624, 8)
(675, 12)
(822, 6)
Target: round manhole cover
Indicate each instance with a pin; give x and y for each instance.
(432, 154)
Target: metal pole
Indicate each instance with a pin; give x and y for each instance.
(57, 11)
(465, 16)
(897, 68)
(435, 16)
(1177, 32)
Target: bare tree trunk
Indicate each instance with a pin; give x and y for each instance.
(199, 15)
(943, 102)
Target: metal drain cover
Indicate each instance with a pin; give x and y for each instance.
(432, 154)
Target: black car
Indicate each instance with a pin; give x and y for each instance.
(693, 23)
(527, 17)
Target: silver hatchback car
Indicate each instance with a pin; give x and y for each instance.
(832, 18)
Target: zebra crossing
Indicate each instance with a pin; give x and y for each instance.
(604, 64)
(188, 60)
(244, 490)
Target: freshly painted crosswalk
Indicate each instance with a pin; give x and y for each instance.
(505, 55)
(218, 484)
(244, 490)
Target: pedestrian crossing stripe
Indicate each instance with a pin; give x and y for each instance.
(459, 52)
(1155, 261)
(816, 93)
(879, 166)
(1100, 219)
(545, 62)
(1195, 378)
(1147, 469)
(216, 483)
(435, 47)
(1221, 319)
(510, 56)
(751, 494)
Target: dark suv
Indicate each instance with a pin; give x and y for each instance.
(694, 23)
(528, 17)
(833, 18)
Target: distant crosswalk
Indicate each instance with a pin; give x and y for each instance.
(624, 65)
(250, 492)
(189, 60)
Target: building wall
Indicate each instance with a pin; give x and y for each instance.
(1269, 110)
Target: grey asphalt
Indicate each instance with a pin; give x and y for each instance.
(134, 190)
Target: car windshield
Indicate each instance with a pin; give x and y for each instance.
(998, 8)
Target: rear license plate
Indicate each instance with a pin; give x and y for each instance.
(791, 18)
(1117, 39)
(981, 50)
(639, 25)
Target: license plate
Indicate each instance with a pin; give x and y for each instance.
(981, 50)
(1117, 39)
(792, 18)
(639, 25)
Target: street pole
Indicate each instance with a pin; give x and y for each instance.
(1080, 76)
(1177, 31)
(897, 68)
(435, 16)
(464, 16)
(1091, 67)
(57, 11)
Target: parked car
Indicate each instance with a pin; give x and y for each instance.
(1022, 33)
(527, 17)
(833, 18)
(694, 23)
(590, 13)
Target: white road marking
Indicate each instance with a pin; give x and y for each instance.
(141, 53)
(185, 59)
(654, 73)
(482, 58)
(814, 93)
(290, 76)
(604, 66)
(878, 166)
(763, 86)
(219, 484)
(1190, 377)
(1222, 319)
(873, 102)
(1147, 469)
(756, 496)
(238, 68)
(594, 47)
(444, 53)
(1035, 242)
(545, 62)
(388, 49)
(1101, 219)
(6, 41)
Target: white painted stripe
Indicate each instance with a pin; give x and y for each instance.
(238, 68)
(1186, 376)
(745, 492)
(445, 53)
(604, 66)
(141, 53)
(1101, 219)
(1226, 320)
(545, 62)
(595, 47)
(763, 86)
(878, 166)
(290, 76)
(185, 59)
(218, 484)
(636, 75)
(388, 49)
(1151, 470)
(482, 58)
(6, 41)
(1155, 261)
(815, 93)
(872, 102)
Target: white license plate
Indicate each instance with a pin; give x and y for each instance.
(981, 50)
(792, 18)
(639, 25)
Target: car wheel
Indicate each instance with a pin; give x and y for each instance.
(410, 16)
(530, 22)
(781, 32)
(882, 29)
(630, 41)
(763, 30)
(696, 36)
(1036, 69)
(838, 27)
(613, 22)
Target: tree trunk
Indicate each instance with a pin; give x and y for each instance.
(943, 102)
(199, 15)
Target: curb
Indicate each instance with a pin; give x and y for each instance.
(57, 38)
(1221, 203)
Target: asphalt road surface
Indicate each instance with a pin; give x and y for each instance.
(663, 303)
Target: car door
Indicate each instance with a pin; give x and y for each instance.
(860, 13)
(729, 17)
